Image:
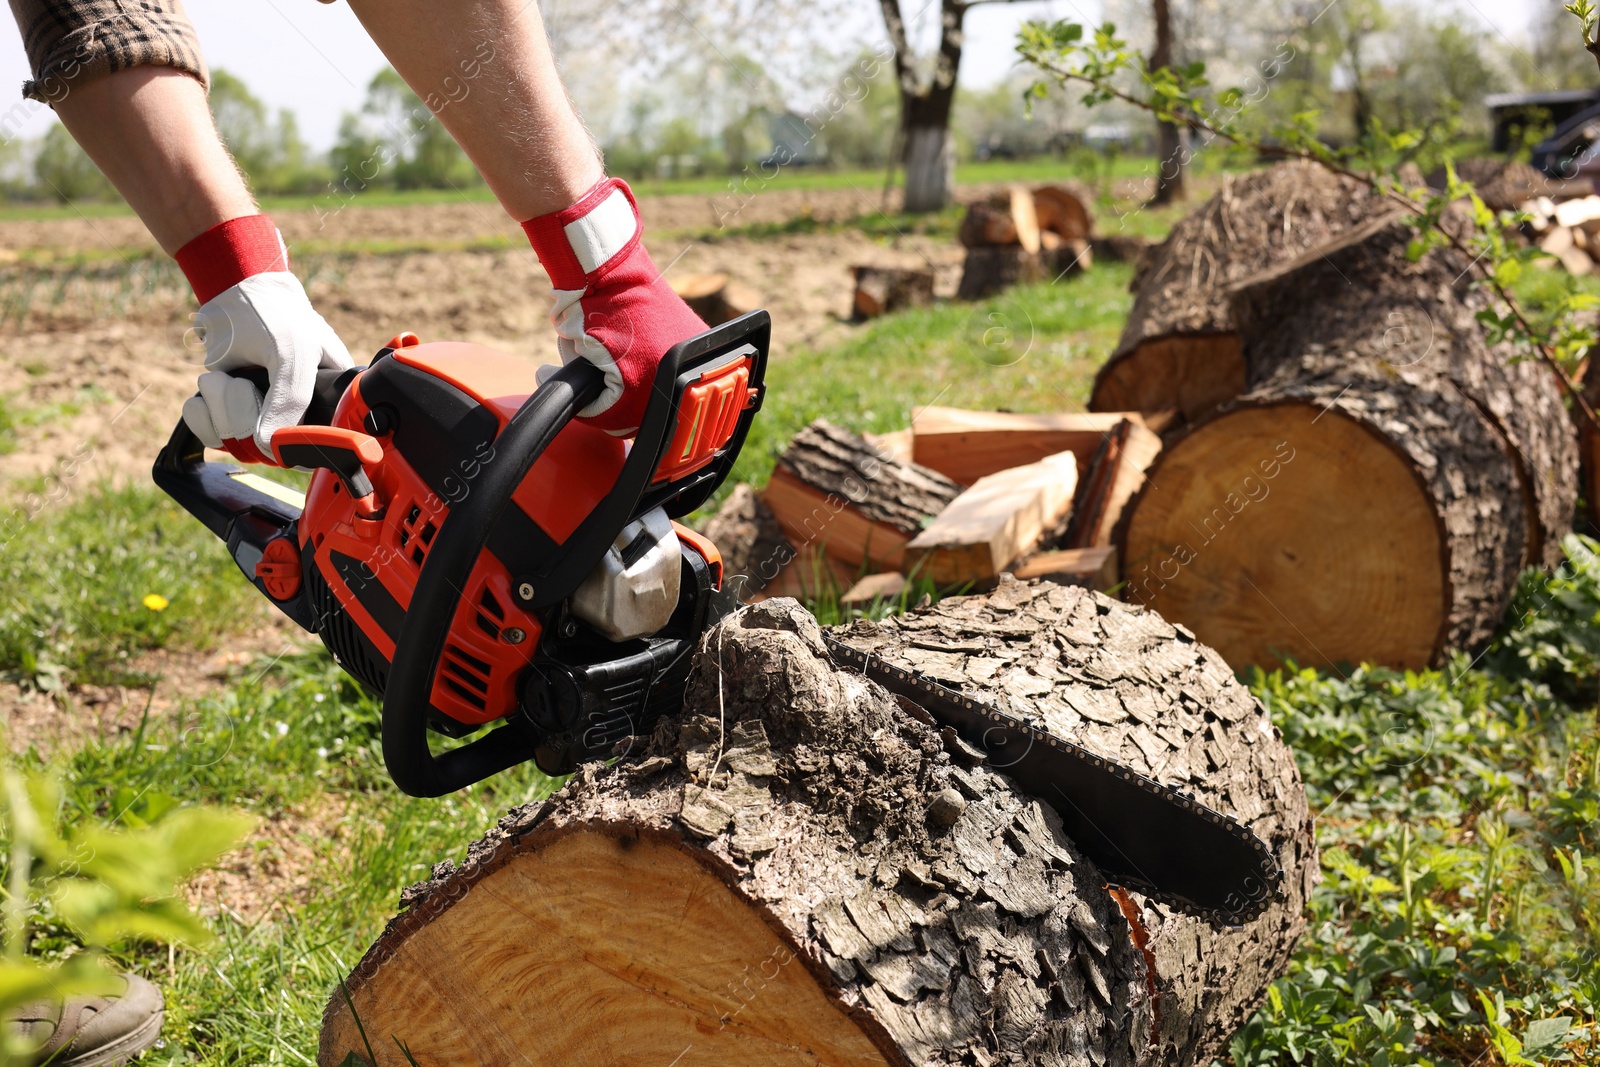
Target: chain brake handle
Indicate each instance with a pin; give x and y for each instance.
(705, 395)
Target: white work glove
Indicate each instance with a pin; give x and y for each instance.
(264, 321)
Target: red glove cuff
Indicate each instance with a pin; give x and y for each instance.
(230, 252)
(602, 238)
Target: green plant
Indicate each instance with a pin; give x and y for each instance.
(74, 894)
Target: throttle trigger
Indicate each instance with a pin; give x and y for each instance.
(347, 453)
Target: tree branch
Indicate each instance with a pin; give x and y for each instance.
(895, 24)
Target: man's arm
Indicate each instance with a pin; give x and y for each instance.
(150, 130)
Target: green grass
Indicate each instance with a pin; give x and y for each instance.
(76, 564)
(869, 180)
(1033, 348)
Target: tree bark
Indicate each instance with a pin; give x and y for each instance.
(797, 870)
(1180, 348)
(1170, 150)
(1426, 472)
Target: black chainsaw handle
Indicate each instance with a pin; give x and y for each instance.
(185, 451)
(461, 538)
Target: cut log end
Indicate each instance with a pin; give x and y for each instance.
(1288, 532)
(1190, 373)
(608, 944)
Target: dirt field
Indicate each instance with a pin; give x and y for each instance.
(93, 326)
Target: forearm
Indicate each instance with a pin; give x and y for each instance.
(149, 129)
(485, 68)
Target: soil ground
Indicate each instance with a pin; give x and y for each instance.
(95, 322)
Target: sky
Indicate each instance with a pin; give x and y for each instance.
(316, 60)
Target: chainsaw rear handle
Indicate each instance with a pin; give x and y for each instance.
(185, 450)
(465, 531)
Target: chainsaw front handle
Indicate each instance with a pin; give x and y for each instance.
(461, 538)
(465, 531)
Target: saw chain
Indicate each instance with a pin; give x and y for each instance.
(1141, 834)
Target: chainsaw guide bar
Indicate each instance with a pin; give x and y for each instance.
(1141, 834)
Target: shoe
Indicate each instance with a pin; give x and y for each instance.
(92, 1031)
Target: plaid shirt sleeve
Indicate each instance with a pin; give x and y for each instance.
(69, 40)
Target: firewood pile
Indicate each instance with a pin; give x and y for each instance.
(959, 498)
(1569, 231)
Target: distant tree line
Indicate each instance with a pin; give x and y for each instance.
(1393, 63)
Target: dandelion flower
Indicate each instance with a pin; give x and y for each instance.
(156, 602)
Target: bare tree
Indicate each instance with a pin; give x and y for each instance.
(927, 146)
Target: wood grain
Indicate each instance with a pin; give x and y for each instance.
(994, 522)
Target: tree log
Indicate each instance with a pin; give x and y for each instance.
(880, 290)
(1180, 348)
(987, 271)
(1408, 512)
(795, 871)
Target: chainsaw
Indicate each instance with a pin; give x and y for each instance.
(476, 557)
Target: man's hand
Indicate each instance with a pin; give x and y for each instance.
(264, 321)
(262, 318)
(612, 307)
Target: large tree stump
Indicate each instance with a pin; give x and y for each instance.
(1374, 495)
(990, 270)
(797, 871)
(1180, 349)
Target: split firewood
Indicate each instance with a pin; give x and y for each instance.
(1115, 473)
(1092, 568)
(966, 445)
(1063, 212)
(1556, 241)
(896, 442)
(833, 490)
(1452, 467)
(714, 297)
(880, 290)
(874, 587)
(1001, 517)
(1583, 212)
(1180, 348)
(798, 870)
